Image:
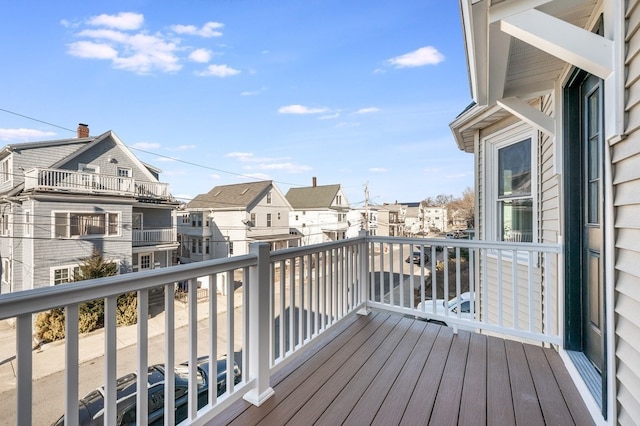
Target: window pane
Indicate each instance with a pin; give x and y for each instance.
(514, 170)
(61, 225)
(516, 218)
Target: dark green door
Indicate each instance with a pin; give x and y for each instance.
(592, 219)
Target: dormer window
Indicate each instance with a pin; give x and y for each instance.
(268, 198)
(5, 170)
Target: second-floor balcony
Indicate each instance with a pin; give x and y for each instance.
(42, 179)
(325, 334)
(154, 237)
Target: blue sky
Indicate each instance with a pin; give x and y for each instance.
(221, 91)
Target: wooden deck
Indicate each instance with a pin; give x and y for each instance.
(384, 369)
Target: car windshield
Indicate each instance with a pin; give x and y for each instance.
(182, 374)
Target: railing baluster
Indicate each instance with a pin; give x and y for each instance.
(169, 353)
(500, 284)
(192, 308)
(301, 310)
(71, 365)
(110, 362)
(24, 369)
(292, 305)
(230, 283)
(547, 312)
(142, 397)
(531, 294)
(283, 312)
(213, 336)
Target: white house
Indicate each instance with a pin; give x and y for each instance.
(224, 221)
(554, 128)
(319, 213)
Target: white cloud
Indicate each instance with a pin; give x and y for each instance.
(200, 55)
(427, 55)
(218, 71)
(329, 116)
(139, 52)
(23, 134)
(378, 170)
(367, 110)
(208, 30)
(300, 109)
(121, 21)
(91, 50)
(166, 160)
(145, 145)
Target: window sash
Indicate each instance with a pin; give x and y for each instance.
(69, 224)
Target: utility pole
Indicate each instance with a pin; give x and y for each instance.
(366, 207)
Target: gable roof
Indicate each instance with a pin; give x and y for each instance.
(240, 195)
(312, 197)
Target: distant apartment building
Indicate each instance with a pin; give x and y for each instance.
(435, 219)
(391, 219)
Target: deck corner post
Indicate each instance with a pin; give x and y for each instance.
(259, 330)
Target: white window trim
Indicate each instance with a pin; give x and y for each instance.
(6, 270)
(511, 135)
(85, 237)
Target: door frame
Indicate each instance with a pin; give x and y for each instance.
(573, 233)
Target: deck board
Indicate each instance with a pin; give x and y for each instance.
(525, 400)
(473, 404)
(386, 369)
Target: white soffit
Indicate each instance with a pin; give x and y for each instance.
(568, 42)
(527, 113)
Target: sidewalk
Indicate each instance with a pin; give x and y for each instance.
(49, 358)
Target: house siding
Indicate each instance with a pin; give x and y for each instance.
(626, 200)
(41, 157)
(45, 253)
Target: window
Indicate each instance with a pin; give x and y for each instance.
(206, 246)
(515, 201)
(6, 270)
(186, 219)
(124, 172)
(268, 220)
(253, 219)
(268, 197)
(4, 224)
(278, 215)
(5, 170)
(65, 274)
(68, 224)
(230, 248)
(339, 200)
(196, 220)
(511, 185)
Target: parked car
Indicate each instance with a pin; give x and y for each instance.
(91, 406)
(442, 306)
(417, 256)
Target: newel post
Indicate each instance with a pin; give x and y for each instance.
(258, 350)
(363, 274)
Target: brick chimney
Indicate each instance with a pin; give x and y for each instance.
(314, 181)
(83, 130)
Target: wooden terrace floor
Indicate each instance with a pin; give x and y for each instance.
(385, 369)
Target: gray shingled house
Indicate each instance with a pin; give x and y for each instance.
(62, 199)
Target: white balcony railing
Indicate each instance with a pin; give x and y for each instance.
(152, 237)
(77, 181)
(288, 298)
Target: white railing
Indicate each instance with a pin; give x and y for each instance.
(512, 287)
(280, 301)
(77, 181)
(151, 237)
